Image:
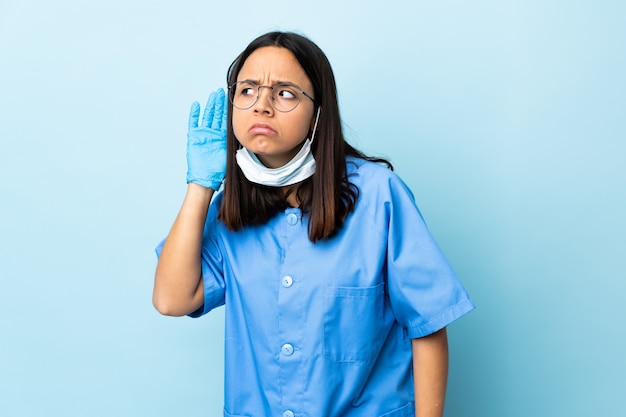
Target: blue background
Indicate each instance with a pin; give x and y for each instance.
(506, 118)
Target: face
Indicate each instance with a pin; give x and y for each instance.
(275, 137)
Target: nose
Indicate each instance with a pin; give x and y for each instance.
(264, 101)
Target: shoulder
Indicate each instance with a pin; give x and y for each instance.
(370, 177)
(385, 201)
(363, 170)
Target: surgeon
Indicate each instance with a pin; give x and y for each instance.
(337, 297)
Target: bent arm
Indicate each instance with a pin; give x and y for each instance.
(430, 370)
(178, 287)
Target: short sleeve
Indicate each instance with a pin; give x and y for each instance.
(424, 291)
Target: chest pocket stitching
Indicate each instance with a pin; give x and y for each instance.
(353, 323)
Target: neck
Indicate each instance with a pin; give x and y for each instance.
(290, 194)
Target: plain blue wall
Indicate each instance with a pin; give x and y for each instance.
(505, 118)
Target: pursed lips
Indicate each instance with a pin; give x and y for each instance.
(261, 129)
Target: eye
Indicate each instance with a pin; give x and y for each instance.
(286, 92)
(247, 89)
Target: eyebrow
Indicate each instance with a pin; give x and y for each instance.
(274, 82)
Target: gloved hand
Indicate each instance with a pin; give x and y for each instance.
(206, 143)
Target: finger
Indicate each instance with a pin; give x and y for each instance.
(224, 122)
(194, 114)
(219, 109)
(207, 117)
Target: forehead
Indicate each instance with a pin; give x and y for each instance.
(271, 64)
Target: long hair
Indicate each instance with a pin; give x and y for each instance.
(327, 196)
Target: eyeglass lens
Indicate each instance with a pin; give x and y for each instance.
(284, 97)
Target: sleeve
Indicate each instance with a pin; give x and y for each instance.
(212, 268)
(424, 291)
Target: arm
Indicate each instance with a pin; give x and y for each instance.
(178, 286)
(430, 373)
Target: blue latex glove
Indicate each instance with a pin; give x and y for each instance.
(206, 142)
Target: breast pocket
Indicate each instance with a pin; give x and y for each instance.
(353, 323)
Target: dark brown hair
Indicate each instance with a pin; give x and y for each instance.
(327, 196)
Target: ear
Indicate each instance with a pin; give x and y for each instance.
(312, 124)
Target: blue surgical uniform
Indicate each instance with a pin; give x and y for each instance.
(324, 329)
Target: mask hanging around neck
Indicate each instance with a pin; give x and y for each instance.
(299, 168)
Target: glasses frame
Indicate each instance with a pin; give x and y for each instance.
(231, 94)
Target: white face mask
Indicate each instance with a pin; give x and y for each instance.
(301, 166)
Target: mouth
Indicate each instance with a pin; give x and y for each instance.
(261, 129)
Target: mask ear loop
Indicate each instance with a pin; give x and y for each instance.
(317, 118)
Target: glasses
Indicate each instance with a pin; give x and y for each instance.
(284, 96)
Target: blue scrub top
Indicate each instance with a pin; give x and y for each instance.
(324, 329)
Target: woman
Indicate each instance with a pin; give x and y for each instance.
(337, 296)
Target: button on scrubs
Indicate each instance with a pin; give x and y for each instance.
(324, 329)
